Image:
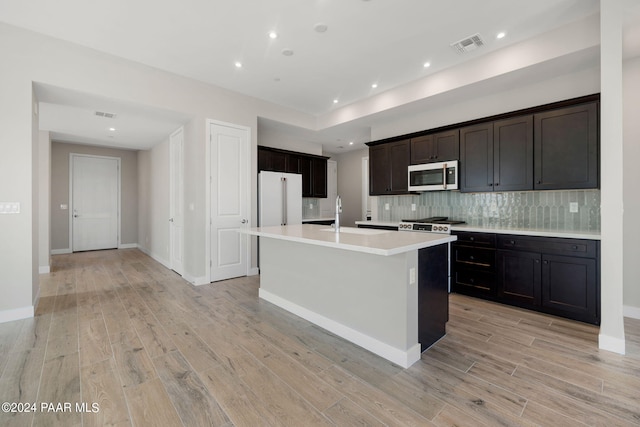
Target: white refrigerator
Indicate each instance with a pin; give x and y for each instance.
(280, 198)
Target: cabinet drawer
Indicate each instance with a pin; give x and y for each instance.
(549, 245)
(477, 258)
(475, 239)
(473, 282)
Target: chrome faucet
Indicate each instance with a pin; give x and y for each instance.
(338, 212)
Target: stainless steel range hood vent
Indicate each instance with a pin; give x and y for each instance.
(468, 44)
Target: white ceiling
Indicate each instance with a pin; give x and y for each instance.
(367, 41)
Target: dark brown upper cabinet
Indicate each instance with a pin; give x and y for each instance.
(476, 158)
(566, 148)
(312, 168)
(437, 147)
(497, 156)
(388, 166)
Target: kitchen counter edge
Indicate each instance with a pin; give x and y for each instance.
(385, 244)
(539, 232)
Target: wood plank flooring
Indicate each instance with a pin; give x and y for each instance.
(116, 329)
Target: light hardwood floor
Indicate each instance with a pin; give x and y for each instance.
(117, 329)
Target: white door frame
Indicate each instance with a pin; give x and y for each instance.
(209, 123)
(72, 156)
(176, 193)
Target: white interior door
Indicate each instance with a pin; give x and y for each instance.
(176, 201)
(229, 201)
(95, 183)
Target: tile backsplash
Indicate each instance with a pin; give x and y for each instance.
(310, 208)
(531, 209)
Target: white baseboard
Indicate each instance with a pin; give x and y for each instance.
(60, 251)
(128, 246)
(44, 269)
(253, 271)
(616, 345)
(199, 281)
(161, 260)
(632, 312)
(397, 356)
(16, 314)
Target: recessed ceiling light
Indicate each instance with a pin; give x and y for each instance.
(320, 27)
(426, 64)
(112, 129)
(273, 35)
(238, 64)
(335, 101)
(375, 85)
(501, 35)
(351, 143)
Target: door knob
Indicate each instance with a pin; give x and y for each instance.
(244, 221)
(170, 219)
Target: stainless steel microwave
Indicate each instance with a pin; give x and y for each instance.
(434, 176)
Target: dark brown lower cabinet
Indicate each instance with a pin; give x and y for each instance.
(557, 276)
(473, 264)
(433, 295)
(519, 277)
(554, 275)
(570, 287)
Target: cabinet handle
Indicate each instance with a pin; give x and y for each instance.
(546, 262)
(472, 257)
(497, 183)
(537, 261)
(512, 242)
(539, 182)
(472, 238)
(575, 247)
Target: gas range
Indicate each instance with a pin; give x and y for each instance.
(436, 224)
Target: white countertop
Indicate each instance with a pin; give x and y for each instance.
(540, 232)
(378, 242)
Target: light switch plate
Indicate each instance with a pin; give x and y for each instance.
(9, 207)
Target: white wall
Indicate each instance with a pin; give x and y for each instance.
(36, 58)
(350, 185)
(631, 90)
(153, 202)
(286, 141)
(490, 102)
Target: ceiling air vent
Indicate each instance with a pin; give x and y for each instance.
(106, 115)
(468, 44)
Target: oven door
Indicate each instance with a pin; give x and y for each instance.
(433, 176)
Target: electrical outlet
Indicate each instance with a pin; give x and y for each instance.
(386, 206)
(412, 276)
(413, 207)
(64, 207)
(310, 205)
(573, 207)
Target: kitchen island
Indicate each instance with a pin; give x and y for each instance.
(386, 291)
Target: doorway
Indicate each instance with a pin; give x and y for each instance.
(95, 202)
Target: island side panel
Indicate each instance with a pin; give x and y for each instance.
(363, 292)
(433, 294)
